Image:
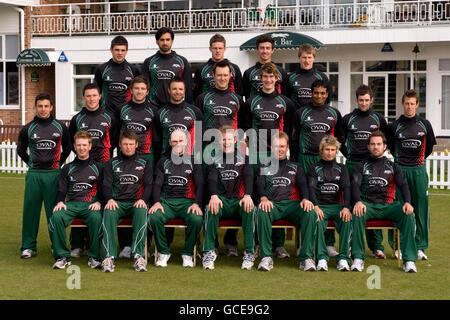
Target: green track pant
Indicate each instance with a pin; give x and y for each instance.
(230, 210)
(331, 212)
(392, 212)
(40, 185)
(289, 210)
(175, 208)
(112, 218)
(61, 219)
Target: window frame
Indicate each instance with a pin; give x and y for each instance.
(3, 62)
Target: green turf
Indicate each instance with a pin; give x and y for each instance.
(35, 279)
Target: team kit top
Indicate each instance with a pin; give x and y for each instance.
(299, 85)
(357, 126)
(411, 140)
(114, 80)
(127, 178)
(140, 118)
(102, 126)
(252, 84)
(181, 178)
(159, 69)
(374, 181)
(79, 180)
(48, 142)
(329, 183)
(204, 78)
(230, 179)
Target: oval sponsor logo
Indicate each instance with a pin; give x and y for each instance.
(177, 181)
(116, 86)
(45, 145)
(222, 111)
(320, 127)
(81, 186)
(329, 188)
(95, 133)
(377, 181)
(411, 143)
(281, 182)
(177, 126)
(136, 127)
(128, 179)
(268, 116)
(165, 74)
(229, 174)
(361, 135)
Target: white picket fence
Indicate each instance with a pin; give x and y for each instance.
(437, 165)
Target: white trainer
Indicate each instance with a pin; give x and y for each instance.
(76, 253)
(208, 259)
(61, 263)
(307, 265)
(162, 260)
(139, 263)
(332, 251)
(409, 266)
(231, 250)
(322, 265)
(358, 265)
(342, 265)
(108, 264)
(248, 261)
(28, 253)
(281, 253)
(188, 261)
(421, 255)
(125, 253)
(266, 264)
(395, 255)
(94, 263)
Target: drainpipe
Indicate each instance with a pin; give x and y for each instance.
(22, 68)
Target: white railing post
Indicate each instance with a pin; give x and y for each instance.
(70, 20)
(3, 156)
(190, 16)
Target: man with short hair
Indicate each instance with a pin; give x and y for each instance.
(79, 181)
(204, 76)
(329, 191)
(252, 84)
(411, 141)
(163, 66)
(127, 186)
(177, 193)
(374, 182)
(114, 76)
(44, 145)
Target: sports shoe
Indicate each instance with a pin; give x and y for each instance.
(378, 254)
(266, 264)
(231, 250)
(188, 261)
(248, 261)
(94, 263)
(395, 255)
(322, 265)
(421, 255)
(332, 251)
(358, 265)
(307, 265)
(281, 253)
(28, 253)
(342, 265)
(409, 266)
(76, 253)
(139, 263)
(125, 253)
(108, 264)
(61, 263)
(162, 260)
(208, 259)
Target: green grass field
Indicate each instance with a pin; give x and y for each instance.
(35, 279)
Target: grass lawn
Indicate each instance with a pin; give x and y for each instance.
(35, 279)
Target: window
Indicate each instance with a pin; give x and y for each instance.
(9, 73)
(82, 75)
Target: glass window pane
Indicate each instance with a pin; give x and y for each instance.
(12, 83)
(356, 80)
(401, 65)
(356, 66)
(334, 92)
(445, 102)
(420, 85)
(1, 84)
(444, 64)
(1, 47)
(420, 65)
(291, 67)
(334, 66)
(85, 69)
(320, 66)
(78, 96)
(12, 46)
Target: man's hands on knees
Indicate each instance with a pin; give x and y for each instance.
(195, 209)
(307, 205)
(140, 204)
(59, 206)
(319, 212)
(265, 204)
(345, 215)
(96, 206)
(155, 207)
(408, 208)
(214, 204)
(111, 205)
(359, 209)
(247, 201)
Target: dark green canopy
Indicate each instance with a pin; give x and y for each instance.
(33, 58)
(284, 40)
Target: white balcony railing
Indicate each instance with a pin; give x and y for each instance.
(148, 16)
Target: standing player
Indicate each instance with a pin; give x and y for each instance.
(411, 140)
(252, 84)
(299, 83)
(127, 186)
(48, 143)
(204, 76)
(163, 66)
(356, 129)
(79, 180)
(114, 77)
(373, 188)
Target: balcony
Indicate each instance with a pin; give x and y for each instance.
(96, 18)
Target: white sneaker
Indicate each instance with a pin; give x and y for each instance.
(61, 263)
(188, 261)
(162, 260)
(208, 259)
(139, 263)
(358, 265)
(421, 255)
(332, 251)
(94, 263)
(378, 254)
(395, 255)
(342, 265)
(409, 266)
(231, 250)
(248, 261)
(76, 253)
(28, 253)
(307, 265)
(322, 265)
(108, 264)
(281, 253)
(125, 253)
(266, 264)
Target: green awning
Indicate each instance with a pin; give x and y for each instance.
(33, 58)
(284, 40)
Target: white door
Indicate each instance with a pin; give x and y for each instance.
(445, 101)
